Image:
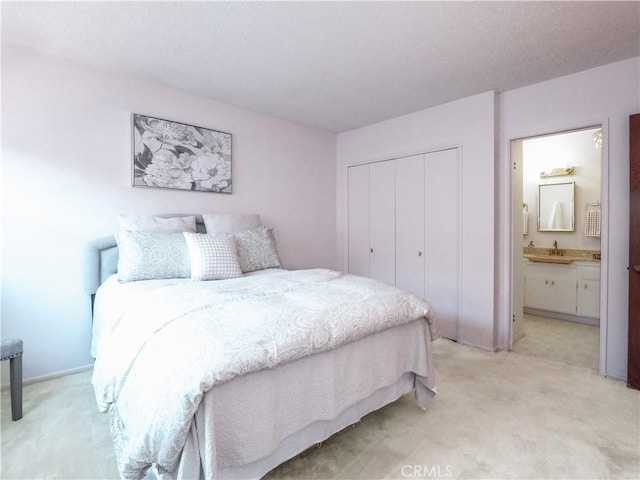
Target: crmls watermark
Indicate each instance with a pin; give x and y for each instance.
(426, 471)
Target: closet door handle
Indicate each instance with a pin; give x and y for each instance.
(636, 268)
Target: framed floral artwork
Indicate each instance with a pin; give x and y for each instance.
(174, 155)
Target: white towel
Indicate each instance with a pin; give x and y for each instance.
(593, 223)
(555, 219)
(525, 223)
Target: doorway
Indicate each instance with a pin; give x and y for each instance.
(557, 218)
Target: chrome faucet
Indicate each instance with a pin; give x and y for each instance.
(555, 250)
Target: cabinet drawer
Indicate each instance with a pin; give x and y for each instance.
(589, 272)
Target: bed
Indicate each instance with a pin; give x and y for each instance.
(232, 377)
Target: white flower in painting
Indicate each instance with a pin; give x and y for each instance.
(169, 132)
(216, 143)
(169, 171)
(212, 171)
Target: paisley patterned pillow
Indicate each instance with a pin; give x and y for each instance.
(151, 255)
(257, 249)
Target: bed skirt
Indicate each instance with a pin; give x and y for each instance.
(248, 426)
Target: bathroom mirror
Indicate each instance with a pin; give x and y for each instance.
(555, 207)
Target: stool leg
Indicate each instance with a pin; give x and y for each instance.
(15, 376)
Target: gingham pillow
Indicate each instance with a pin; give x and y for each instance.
(212, 257)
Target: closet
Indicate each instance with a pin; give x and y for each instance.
(404, 228)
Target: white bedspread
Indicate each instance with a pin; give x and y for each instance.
(179, 339)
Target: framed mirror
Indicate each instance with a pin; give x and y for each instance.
(555, 207)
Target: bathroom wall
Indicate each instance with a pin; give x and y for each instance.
(542, 154)
(604, 95)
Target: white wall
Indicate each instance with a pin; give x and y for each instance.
(606, 95)
(468, 123)
(66, 151)
(542, 154)
(66, 175)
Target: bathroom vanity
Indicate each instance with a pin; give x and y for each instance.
(570, 288)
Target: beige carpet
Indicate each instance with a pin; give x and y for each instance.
(572, 343)
(498, 415)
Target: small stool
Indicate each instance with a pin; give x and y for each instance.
(11, 349)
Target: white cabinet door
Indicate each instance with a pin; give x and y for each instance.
(535, 290)
(358, 220)
(562, 292)
(382, 222)
(410, 269)
(551, 287)
(589, 291)
(442, 239)
(589, 298)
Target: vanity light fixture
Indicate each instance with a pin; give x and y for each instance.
(557, 172)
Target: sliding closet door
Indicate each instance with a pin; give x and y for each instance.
(442, 238)
(382, 214)
(358, 218)
(410, 224)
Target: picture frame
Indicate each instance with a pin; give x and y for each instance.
(174, 155)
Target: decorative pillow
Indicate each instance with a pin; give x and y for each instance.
(229, 222)
(257, 249)
(213, 257)
(153, 223)
(151, 255)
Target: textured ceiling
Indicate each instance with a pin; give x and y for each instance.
(333, 65)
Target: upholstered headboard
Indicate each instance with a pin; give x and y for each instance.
(101, 256)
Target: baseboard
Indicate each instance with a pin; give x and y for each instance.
(48, 376)
(479, 347)
(616, 376)
(518, 337)
(562, 316)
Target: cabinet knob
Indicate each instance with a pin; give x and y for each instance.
(419, 254)
(372, 250)
(585, 286)
(546, 282)
(552, 282)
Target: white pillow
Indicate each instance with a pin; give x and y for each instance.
(151, 255)
(153, 223)
(212, 257)
(257, 249)
(229, 222)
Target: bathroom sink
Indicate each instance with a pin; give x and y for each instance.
(550, 259)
